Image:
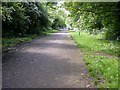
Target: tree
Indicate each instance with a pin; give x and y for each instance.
(22, 18)
(94, 17)
(56, 16)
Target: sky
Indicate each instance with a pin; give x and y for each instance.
(60, 4)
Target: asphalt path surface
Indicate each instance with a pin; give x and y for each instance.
(52, 61)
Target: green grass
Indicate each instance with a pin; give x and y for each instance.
(52, 31)
(103, 67)
(7, 42)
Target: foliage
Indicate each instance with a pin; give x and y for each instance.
(100, 57)
(58, 22)
(22, 18)
(94, 16)
(56, 16)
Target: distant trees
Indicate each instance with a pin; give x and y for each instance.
(96, 17)
(22, 18)
(56, 16)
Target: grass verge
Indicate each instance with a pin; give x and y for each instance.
(7, 42)
(100, 57)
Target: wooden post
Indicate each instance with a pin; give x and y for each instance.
(79, 32)
(79, 27)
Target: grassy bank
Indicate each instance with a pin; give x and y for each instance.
(100, 57)
(7, 42)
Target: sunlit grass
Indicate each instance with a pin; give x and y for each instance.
(103, 67)
(52, 31)
(94, 44)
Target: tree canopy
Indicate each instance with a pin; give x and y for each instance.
(96, 17)
(22, 18)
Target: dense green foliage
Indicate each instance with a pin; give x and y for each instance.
(97, 17)
(100, 58)
(19, 19)
(22, 21)
(56, 16)
(23, 18)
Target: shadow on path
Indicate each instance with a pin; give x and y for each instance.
(49, 62)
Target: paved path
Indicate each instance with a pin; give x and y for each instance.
(53, 61)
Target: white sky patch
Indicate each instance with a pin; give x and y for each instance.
(64, 10)
(60, 3)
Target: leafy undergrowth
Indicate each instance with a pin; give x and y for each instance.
(103, 67)
(6, 42)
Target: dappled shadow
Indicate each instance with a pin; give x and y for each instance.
(52, 61)
(85, 47)
(54, 45)
(35, 70)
